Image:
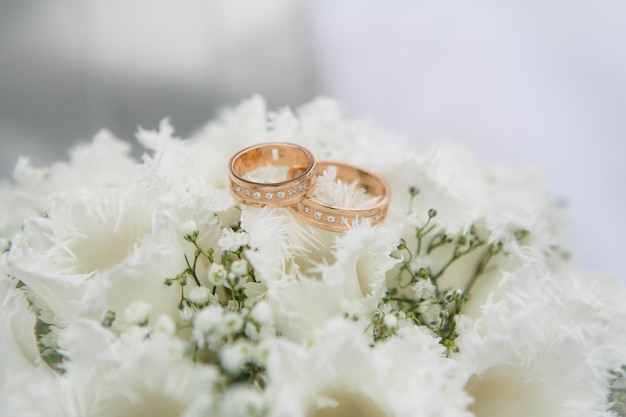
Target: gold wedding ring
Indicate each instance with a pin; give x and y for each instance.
(278, 194)
(330, 217)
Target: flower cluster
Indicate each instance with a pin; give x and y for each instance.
(143, 288)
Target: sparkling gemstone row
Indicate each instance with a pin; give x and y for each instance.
(331, 219)
(269, 196)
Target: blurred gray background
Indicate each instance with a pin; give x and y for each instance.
(525, 83)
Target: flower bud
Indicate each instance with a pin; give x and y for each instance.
(239, 268)
(185, 310)
(199, 296)
(390, 321)
(189, 229)
(217, 274)
(137, 313)
(165, 325)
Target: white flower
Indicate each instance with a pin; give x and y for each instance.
(429, 312)
(542, 343)
(189, 229)
(205, 326)
(17, 340)
(390, 321)
(128, 375)
(137, 312)
(262, 314)
(234, 356)
(231, 323)
(199, 296)
(241, 401)
(342, 373)
(423, 289)
(217, 274)
(239, 268)
(232, 241)
(419, 262)
(164, 324)
(96, 252)
(185, 310)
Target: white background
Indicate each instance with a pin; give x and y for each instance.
(527, 83)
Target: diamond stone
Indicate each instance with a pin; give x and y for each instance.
(237, 189)
(343, 220)
(306, 210)
(246, 193)
(257, 195)
(281, 194)
(331, 219)
(268, 196)
(302, 187)
(318, 215)
(292, 192)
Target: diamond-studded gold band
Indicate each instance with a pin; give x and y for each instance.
(330, 217)
(278, 194)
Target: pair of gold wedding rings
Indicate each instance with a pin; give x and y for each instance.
(296, 191)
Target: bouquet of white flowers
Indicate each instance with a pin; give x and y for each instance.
(143, 288)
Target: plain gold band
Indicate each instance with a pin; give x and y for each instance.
(279, 194)
(333, 218)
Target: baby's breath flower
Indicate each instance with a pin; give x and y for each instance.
(262, 313)
(423, 289)
(137, 312)
(217, 274)
(232, 241)
(242, 401)
(234, 357)
(419, 262)
(185, 310)
(165, 325)
(430, 312)
(205, 322)
(235, 282)
(390, 321)
(199, 296)
(239, 268)
(189, 229)
(251, 331)
(231, 323)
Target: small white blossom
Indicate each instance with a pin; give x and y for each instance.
(185, 311)
(205, 324)
(390, 321)
(239, 268)
(262, 313)
(235, 282)
(189, 229)
(137, 312)
(231, 323)
(199, 296)
(232, 241)
(419, 262)
(424, 289)
(234, 357)
(165, 325)
(430, 312)
(242, 401)
(217, 274)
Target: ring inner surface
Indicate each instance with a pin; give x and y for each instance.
(370, 183)
(276, 155)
